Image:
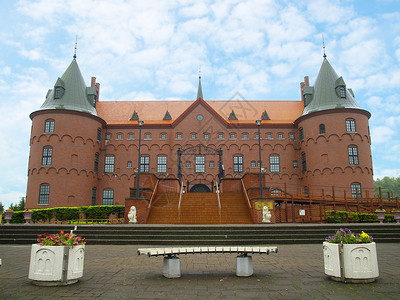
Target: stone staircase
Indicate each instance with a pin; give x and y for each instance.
(199, 208)
(210, 235)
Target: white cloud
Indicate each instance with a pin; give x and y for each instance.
(381, 134)
(329, 11)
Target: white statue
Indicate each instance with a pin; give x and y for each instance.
(266, 215)
(132, 215)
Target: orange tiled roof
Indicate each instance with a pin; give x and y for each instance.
(152, 112)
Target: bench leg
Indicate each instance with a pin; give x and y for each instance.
(244, 266)
(172, 267)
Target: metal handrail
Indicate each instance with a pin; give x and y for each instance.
(219, 201)
(245, 193)
(180, 201)
(154, 192)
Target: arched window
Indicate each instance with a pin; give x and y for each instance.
(96, 162)
(94, 196)
(355, 189)
(322, 129)
(303, 162)
(47, 155)
(301, 133)
(49, 126)
(44, 193)
(350, 125)
(108, 197)
(353, 155)
(274, 164)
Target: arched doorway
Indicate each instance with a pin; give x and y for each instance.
(200, 188)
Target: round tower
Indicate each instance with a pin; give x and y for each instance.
(65, 145)
(335, 153)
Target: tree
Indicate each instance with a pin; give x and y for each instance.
(19, 206)
(1, 207)
(388, 184)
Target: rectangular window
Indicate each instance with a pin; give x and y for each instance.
(351, 125)
(220, 136)
(295, 164)
(188, 164)
(147, 136)
(269, 136)
(119, 136)
(108, 136)
(274, 165)
(130, 136)
(280, 136)
(353, 155)
(96, 162)
(161, 164)
(179, 136)
(206, 136)
(238, 164)
(98, 134)
(94, 192)
(144, 164)
(129, 164)
(342, 91)
(355, 187)
(245, 136)
(301, 134)
(163, 136)
(49, 126)
(200, 166)
(253, 164)
(44, 193)
(194, 136)
(303, 162)
(291, 136)
(108, 197)
(46, 156)
(211, 164)
(233, 136)
(109, 164)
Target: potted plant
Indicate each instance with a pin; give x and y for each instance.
(381, 214)
(27, 216)
(57, 259)
(8, 215)
(350, 258)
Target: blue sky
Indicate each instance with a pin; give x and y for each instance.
(152, 50)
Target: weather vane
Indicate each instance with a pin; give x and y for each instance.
(76, 44)
(323, 45)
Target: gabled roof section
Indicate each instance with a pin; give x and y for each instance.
(74, 96)
(325, 95)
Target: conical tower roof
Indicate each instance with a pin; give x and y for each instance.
(326, 94)
(73, 95)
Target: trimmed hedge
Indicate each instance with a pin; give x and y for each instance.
(71, 213)
(336, 216)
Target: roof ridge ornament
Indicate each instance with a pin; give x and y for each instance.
(76, 44)
(323, 45)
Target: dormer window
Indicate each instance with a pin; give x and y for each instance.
(342, 92)
(58, 92)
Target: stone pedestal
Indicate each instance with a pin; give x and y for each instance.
(244, 266)
(172, 267)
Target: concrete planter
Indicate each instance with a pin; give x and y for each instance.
(28, 216)
(396, 215)
(56, 265)
(381, 215)
(8, 216)
(353, 263)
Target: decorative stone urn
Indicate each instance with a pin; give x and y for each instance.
(352, 263)
(8, 216)
(396, 215)
(381, 215)
(27, 216)
(56, 265)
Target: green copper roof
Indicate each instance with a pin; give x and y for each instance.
(74, 94)
(326, 94)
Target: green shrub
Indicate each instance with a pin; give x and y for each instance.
(336, 216)
(17, 217)
(389, 219)
(363, 218)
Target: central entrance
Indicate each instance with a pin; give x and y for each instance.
(200, 188)
(200, 152)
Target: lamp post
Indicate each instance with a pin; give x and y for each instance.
(258, 122)
(140, 122)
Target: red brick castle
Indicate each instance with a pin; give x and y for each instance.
(85, 151)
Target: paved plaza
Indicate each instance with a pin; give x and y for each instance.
(117, 272)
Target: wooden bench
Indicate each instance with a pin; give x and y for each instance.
(172, 267)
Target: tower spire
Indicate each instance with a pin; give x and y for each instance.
(199, 90)
(323, 45)
(76, 45)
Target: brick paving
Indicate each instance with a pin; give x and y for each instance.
(117, 272)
